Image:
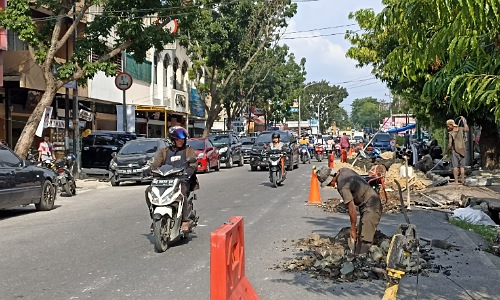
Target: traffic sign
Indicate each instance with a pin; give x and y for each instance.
(123, 81)
(294, 109)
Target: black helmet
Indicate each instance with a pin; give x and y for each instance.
(177, 133)
(275, 135)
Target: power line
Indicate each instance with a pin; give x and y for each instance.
(322, 28)
(314, 36)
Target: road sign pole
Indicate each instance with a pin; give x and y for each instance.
(124, 111)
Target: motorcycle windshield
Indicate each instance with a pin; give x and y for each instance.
(167, 170)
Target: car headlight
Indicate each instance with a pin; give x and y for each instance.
(112, 164)
(201, 155)
(223, 149)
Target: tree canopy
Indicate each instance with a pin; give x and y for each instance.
(366, 112)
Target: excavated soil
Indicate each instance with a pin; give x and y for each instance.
(325, 257)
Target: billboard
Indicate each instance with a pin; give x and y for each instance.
(196, 104)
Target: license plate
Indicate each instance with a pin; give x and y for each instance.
(166, 182)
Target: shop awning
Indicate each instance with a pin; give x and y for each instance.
(401, 129)
(150, 108)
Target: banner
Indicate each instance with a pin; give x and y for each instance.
(44, 122)
(197, 105)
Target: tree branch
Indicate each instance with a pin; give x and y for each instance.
(71, 29)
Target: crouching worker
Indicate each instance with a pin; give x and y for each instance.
(355, 192)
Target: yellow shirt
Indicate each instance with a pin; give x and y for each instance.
(304, 142)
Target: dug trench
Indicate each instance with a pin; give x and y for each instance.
(329, 258)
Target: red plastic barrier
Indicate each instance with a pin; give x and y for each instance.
(227, 263)
(331, 161)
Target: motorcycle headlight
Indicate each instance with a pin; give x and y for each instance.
(223, 149)
(201, 155)
(112, 164)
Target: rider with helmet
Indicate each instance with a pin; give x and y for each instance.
(305, 141)
(276, 144)
(176, 155)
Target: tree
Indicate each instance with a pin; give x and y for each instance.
(119, 26)
(442, 57)
(330, 110)
(366, 113)
(225, 41)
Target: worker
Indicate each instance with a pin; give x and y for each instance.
(355, 192)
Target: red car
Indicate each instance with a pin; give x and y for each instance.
(208, 157)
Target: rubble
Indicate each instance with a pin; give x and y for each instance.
(330, 258)
(334, 205)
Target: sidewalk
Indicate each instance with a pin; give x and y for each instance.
(91, 184)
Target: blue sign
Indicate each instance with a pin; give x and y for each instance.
(313, 122)
(197, 105)
(294, 109)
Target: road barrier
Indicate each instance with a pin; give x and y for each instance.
(314, 194)
(227, 263)
(331, 161)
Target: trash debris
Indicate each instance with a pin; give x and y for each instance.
(473, 216)
(330, 258)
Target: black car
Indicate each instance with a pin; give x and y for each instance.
(229, 147)
(22, 183)
(98, 146)
(246, 147)
(382, 141)
(264, 139)
(133, 159)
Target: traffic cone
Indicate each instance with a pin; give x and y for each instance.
(314, 194)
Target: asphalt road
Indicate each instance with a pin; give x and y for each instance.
(97, 245)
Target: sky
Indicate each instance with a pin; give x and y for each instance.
(325, 55)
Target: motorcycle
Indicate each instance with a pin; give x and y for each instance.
(166, 203)
(337, 150)
(63, 167)
(319, 151)
(303, 153)
(276, 167)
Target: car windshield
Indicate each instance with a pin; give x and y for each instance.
(218, 140)
(382, 138)
(141, 147)
(196, 144)
(265, 138)
(247, 141)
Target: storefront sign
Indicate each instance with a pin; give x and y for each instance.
(197, 105)
(57, 124)
(85, 115)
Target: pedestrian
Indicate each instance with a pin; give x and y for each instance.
(456, 146)
(46, 149)
(426, 163)
(407, 140)
(355, 192)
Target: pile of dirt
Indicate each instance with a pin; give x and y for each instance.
(330, 258)
(389, 206)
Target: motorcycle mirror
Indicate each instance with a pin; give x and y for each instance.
(191, 160)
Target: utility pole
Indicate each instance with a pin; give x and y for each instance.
(76, 126)
(303, 89)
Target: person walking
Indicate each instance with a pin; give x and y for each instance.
(456, 146)
(355, 192)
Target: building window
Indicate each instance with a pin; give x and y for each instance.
(14, 43)
(155, 69)
(138, 71)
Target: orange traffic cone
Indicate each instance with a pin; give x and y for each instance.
(314, 194)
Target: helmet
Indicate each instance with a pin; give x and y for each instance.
(275, 135)
(177, 133)
(70, 158)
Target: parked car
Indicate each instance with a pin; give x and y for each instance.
(261, 143)
(98, 146)
(382, 141)
(207, 155)
(229, 147)
(23, 183)
(133, 159)
(246, 147)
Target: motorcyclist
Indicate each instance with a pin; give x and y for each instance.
(176, 155)
(276, 144)
(305, 141)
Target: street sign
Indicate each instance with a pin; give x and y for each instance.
(294, 109)
(123, 81)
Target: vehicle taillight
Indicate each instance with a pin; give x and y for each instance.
(60, 171)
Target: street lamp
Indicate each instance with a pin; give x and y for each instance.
(319, 103)
(313, 83)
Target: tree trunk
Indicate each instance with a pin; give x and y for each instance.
(489, 144)
(28, 133)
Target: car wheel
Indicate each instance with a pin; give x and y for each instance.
(48, 196)
(113, 181)
(217, 168)
(229, 163)
(240, 163)
(253, 168)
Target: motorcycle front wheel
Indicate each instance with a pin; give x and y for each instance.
(274, 179)
(161, 234)
(67, 189)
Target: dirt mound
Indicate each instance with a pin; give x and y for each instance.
(330, 258)
(392, 205)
